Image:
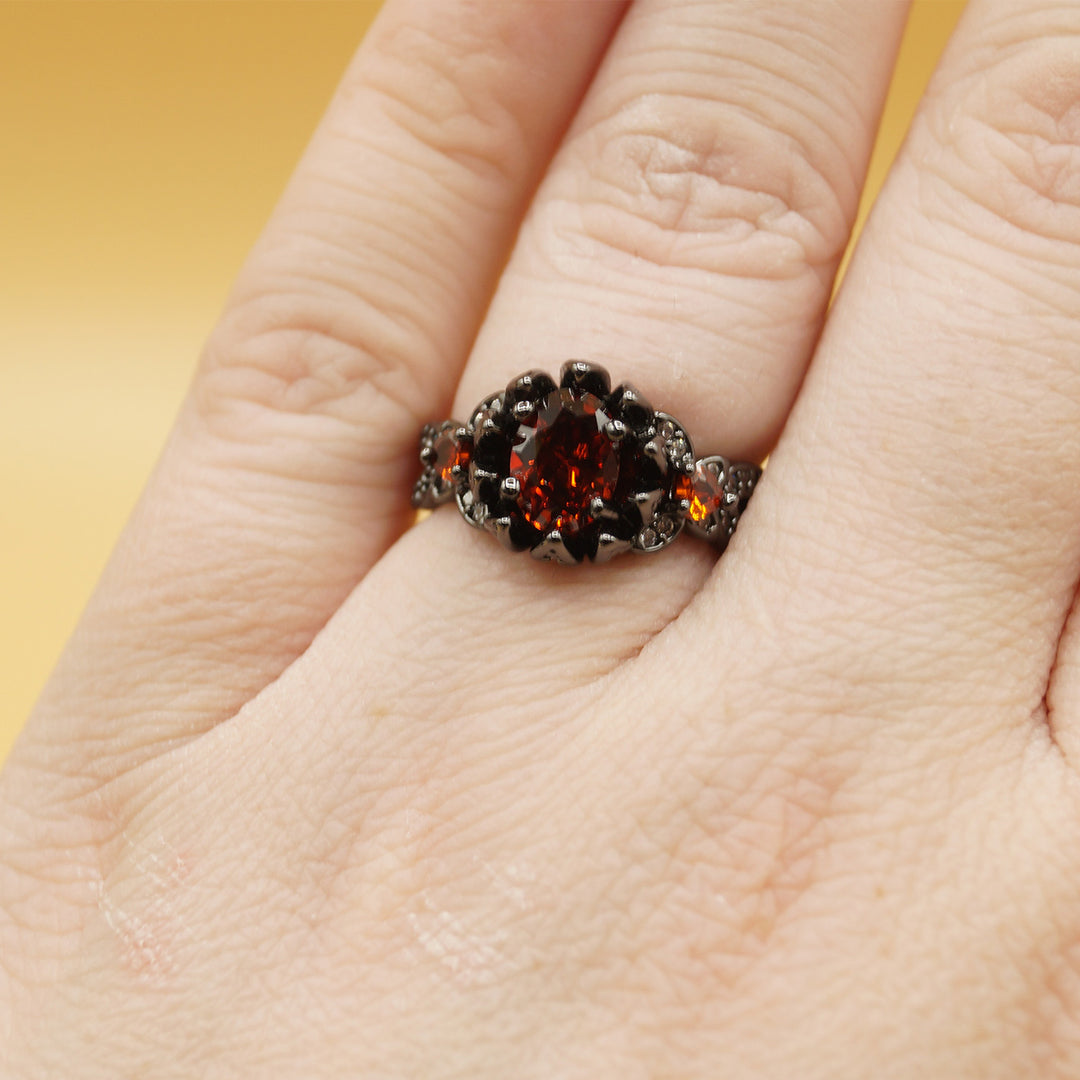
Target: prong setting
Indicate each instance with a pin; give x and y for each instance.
(714, 495)
(574, 470)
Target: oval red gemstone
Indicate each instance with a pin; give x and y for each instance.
(562, 460)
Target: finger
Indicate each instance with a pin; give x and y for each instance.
(284, 478)
(685, 236)
(920, 520)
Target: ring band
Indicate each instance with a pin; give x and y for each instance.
(575, 470)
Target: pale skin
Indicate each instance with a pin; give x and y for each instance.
(315, 794)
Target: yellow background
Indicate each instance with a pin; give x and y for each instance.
(141, 147)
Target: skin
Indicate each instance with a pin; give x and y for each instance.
(312, 793)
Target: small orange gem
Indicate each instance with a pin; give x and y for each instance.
(702, 490)
(448, 453)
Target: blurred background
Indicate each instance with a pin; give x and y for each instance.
(142, 145)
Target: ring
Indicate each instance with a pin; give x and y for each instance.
(575, 470)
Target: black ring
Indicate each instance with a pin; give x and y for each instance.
(575, 470)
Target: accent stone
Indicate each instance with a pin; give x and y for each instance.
(449, 452)
(702, 489)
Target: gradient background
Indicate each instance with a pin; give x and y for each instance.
(142, 145)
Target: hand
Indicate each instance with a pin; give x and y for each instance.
(310, 795)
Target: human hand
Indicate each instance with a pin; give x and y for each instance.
(309, 797)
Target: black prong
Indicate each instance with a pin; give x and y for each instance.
(531, 386)
(647, 503)
(601, 510)
(632, 407)
(585, 377)
(501, 527)
(608, 546)
(553, 549)
(615, 430)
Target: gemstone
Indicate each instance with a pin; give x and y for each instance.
(703, 489)
(449, 452)
(570, 471)
(563, 459)
(440, 454)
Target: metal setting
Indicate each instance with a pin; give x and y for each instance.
(575, 470)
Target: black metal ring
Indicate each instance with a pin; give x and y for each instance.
(575, 470)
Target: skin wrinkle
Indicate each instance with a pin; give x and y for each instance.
(561, 275)
(490, 149)
(289, 311)
(748, 69)
(446, 117)
(322, 478)
(313, 372)
(719, 833)
(643, 152)
(359, 343)
(749, 107)
(344, 201)
(1023, 273)
(1011, 203)
(785, 77)
(1003, 114)
(413, 256)
(326, 495)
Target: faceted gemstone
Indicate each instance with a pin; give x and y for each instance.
(704, 491)
(563, 460)
(448, 453)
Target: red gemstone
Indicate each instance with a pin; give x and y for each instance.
(703, 490)
(562, 460)
(448, 453)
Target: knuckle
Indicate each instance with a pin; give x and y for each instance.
(680, 181)
(433, 87)
(303, 354)
(1006, 137)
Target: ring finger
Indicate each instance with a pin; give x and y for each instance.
(686, 236)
